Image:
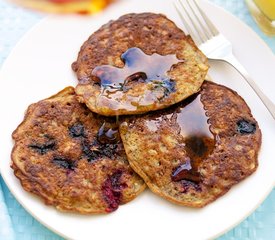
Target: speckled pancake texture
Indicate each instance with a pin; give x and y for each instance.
(183, 163)
(138, 63)
(72, 158)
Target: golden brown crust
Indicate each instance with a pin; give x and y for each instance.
(156, 148)
(152, 34)
(59, 156)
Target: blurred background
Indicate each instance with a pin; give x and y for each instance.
(65, 6)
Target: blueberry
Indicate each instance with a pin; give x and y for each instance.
(186, 185)
(115, 178)
(77, 130)
(42, 149)
(109, 150)
(90, 151)
(64, 163)
(246, 127)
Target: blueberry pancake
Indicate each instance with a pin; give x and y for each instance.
(195, 151)
(73, 158)
(138, 63)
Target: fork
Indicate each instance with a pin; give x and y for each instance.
(213, 44)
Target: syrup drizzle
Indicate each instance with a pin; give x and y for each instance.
(192, 124)
(199, 140)
(192, 118)
(139, 69)
(107, 134)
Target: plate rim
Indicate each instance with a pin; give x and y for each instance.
(28, 209)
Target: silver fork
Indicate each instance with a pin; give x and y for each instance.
(213, 44)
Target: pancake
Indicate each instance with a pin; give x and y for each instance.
(73, 158)
(195, 151)
(138, 63)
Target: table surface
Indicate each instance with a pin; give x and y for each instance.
(14, 22)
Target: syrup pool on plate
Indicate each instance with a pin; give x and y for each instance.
(65, 6)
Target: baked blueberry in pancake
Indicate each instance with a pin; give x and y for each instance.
(138, 63)
(195, 151)
(73, 158)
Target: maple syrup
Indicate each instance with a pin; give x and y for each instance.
(199, 140)
(189, 120)
(107, 134)
(139, 68)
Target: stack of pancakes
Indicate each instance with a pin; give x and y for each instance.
(141, 114)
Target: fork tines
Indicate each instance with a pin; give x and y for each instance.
(195, 21)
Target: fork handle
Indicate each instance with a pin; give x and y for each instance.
(231, 59)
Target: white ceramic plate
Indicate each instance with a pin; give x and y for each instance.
(39, 66)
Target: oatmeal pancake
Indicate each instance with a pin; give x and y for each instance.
(195, 151)
(138, 63)
(72, 158)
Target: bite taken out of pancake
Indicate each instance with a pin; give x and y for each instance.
(138, 63)
(72, 158)
(194, 152)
